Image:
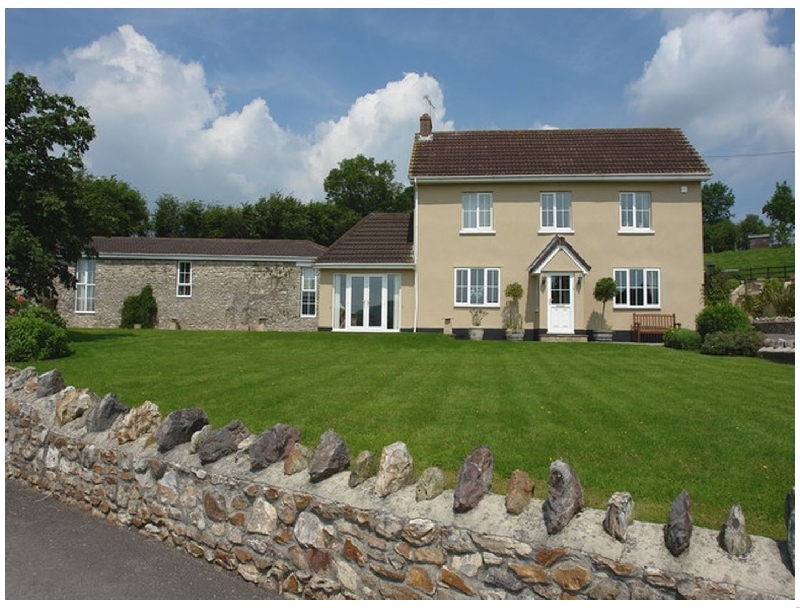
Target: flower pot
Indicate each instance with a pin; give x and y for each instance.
(515, 335)
(476, 333)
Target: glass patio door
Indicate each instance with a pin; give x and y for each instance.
(367, 302)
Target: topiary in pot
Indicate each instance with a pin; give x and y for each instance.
(604, 290)
(513, 319)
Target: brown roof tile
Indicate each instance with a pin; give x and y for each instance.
(233, 248)
(555, 152)
(379, 238)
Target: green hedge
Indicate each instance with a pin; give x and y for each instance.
(736, 343)
(30, 338)
(139, 310)
(721, 317)
(682, 339)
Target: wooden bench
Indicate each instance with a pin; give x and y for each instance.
(651, 323)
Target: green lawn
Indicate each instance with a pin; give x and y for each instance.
(643, 419)
(753, 258)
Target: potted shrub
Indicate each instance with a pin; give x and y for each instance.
(476, 331)
(513, 319)
(604, 290)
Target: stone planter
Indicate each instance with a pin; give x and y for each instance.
(515, 335)
(604, 335)
(476, 333)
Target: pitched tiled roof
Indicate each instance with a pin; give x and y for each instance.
(555, 152)
(556, 243)
(379, 238)
(232, 248)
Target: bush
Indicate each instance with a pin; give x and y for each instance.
(721, 317)
(743, 343)
(718, 286)
(682, 339)
(45, 314)
(139, 310)
(31, 338)
(775, 300)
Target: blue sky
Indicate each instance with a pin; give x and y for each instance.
(226, 106)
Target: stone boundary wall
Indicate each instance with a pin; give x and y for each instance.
(775, 325)
(327, 539)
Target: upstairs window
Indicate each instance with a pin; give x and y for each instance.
(184, 279)
(308, 293)
(477, 212)
(556, 211)
(84, 289)
(635, 212)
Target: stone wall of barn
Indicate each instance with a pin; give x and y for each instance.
(296, 522)
(225, 295)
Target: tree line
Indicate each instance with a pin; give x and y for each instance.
(54, 206)
(720, 233)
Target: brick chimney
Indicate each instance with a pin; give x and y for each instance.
(425, 125)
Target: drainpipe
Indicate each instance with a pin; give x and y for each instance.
(416, 253)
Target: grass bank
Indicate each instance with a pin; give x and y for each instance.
(643, 419)
(753, 258)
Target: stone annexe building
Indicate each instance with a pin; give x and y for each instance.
(243, 284)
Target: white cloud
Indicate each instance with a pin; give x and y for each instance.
(720, 78)
(161, 128)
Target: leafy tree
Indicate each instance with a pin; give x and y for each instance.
(47, 225)
(114, 207)
(365, 186)
(224, 222)
(166, 219)
(751, 224)
(191, 217)
(327, 222)
(717, 200)
(277, 217)
(719, 236)
(780, 209)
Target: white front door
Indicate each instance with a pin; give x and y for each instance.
(367, 302)
(560, 308)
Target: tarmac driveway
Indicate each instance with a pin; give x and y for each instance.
(56, 550)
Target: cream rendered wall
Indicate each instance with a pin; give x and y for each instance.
(325, 311)
(675, 247)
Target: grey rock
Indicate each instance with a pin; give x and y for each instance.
(519, 492)
(474, 479)
(430, 484)
(273, 445)
(502, 577)
(564, 497)
(364, 467)
(102, 416)
(17, 380)
(330, 457)
(396, 469)
(71, 404)
(198, 437)
(619, 515)
(178, 427)
(50, 383)
(733, 537)
(219, 443)
(298, 459)
(678, 530)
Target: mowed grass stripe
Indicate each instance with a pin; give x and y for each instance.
(642, 419)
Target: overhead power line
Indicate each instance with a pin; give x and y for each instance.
(743, 155)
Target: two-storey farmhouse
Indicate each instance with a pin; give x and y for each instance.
(554, 210)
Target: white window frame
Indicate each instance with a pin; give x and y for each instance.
(552, 209)
(184, 288)
(85, 270)
(640, 217)
(624, 278)
(476, 287)
(308, 286)
(477, 208)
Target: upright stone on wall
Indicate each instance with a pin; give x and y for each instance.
(678, 530)
(733, 537)
(178, 427)
(564, 497)
(474, 479)
(396, 469)
(789, 514)
(330, 457)
(102, 416)
(273, 445)
(619, 515)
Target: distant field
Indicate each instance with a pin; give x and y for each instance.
(753, 258)
(647, 420)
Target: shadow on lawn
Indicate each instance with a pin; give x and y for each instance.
(97, 335)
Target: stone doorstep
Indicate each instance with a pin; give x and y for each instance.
(563, 338)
